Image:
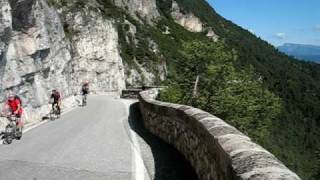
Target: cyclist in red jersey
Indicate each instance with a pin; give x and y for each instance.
(13, 104)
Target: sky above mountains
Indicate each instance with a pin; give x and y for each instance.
(277, 21)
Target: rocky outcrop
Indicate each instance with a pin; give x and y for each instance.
(140, 75)
(212, 35)
(214, 148)
(5, 33)
(146, 9)
(96, 55)
(35, 58)
(190, 21)
(149, 70)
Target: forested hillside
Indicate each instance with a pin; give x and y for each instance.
(247, 82)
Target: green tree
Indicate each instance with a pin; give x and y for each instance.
(236, 96)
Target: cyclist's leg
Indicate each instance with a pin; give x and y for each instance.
(19, 122)
(52, 112)
(55, 109)
(52, 107)
(58, 108)
(83, 98)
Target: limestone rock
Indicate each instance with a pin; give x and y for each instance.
(43, 48)
(35, 58)
(96, 55)
(189, 21)
(147, 9)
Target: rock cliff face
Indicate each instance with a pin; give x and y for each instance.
(144, 8)
(35, 57)
(58, 44)
(191, 22)
(95, 51)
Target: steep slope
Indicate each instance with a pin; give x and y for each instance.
(295, 83)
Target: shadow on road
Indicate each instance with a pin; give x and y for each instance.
(169, 163)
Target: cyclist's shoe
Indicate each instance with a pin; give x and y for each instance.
(18, 133)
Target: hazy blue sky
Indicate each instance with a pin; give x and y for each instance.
(277, 21)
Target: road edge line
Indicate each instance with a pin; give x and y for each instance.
(135, 146)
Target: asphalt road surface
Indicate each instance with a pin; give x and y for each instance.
(103, 140)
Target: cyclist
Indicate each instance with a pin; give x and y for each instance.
(85, 91)
(55, 99)
(85, 88)
(13, 105)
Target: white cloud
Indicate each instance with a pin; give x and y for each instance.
(317, 28)
(281, 35)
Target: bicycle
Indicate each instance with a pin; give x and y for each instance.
(11, 131)
(54, 113)
(84, 99)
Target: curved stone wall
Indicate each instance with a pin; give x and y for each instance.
(214, 148)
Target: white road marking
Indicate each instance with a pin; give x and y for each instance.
(139, 166)
(34, 126)
(37, 124)
(43, 122)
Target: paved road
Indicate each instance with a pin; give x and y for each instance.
(87, 143)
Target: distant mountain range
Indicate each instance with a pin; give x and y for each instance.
(302, 51)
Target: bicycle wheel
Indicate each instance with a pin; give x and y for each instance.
(57, 113)
(18, 133)
(8, 137)
(52, 115)
(84, 100)
(8, 140)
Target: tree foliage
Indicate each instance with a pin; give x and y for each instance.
(236, 96)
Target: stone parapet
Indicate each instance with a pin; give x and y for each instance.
(216, 150)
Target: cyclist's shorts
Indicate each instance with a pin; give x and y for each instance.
(19, 114)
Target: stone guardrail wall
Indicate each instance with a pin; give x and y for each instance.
(133, 92)
(215, 149)
(130, 93)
